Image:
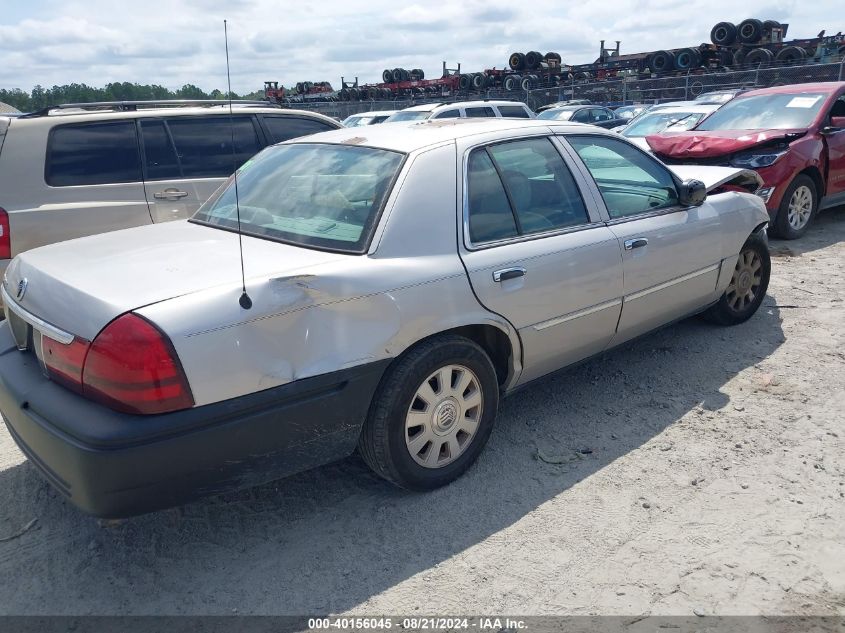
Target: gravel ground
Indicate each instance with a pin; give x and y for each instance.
(698, 470)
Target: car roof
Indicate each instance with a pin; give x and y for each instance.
(826, 87)
(373, 113)
(409, 137)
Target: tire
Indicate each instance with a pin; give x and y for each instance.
(791, 55)
(512, 82)
(723, 34)
(413, 403)
(750, 31)
(797, 209)
(528, 83)
(479, 81)
(726, 57)
(662, 61)
(387, 76)
(532, 59)
(759, 56)
(465, 82)
(554, 56)
(770, 25)
(687, 58)
(748, 285)
(739, 56)
(516, 61)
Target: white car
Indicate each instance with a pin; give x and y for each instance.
(465, 109)
(368, 118)
(673, 118)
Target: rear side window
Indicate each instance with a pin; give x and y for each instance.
(93, 154)
(283, 128)
(204, 145)
(448, 114)
(490, 215)
(480, 112)
(517, 112)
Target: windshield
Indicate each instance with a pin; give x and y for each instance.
(413, 115)
(715, 97)
(355, 121)
(656, 122)
(766, 112)
(558, 115)
(321, 195)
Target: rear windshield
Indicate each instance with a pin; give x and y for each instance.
(317, 195)
(766, 112)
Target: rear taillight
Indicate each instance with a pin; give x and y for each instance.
(132, 367)
(5, 236)
(64, 362)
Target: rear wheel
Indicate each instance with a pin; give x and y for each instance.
(748, 285)
(432, 414)
(796, 211)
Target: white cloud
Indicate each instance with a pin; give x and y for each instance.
(173, 42)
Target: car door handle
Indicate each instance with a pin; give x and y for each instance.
(169, 194)
(637, 242)
(508, 273)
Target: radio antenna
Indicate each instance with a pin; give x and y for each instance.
(245, 301)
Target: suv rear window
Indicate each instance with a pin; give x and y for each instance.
(514, 112)
(93, 154)
(283, 128)
(308, 194)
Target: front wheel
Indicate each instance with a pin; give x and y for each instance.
(432, 414)
(748, 285)
(799, 205)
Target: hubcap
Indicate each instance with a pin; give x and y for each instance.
(443, 417)
(800, 207)
(746, 280)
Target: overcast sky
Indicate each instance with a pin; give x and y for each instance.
(174, 42)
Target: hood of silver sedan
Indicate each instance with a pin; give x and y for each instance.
(79, 286)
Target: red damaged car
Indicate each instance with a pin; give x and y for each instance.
(793, 136)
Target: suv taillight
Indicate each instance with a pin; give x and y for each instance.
(5, 236)
(131, 367)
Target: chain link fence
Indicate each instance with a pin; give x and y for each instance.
(685, 87)
(616, 91)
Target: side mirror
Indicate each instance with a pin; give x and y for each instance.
(692, 193)
(837, 124)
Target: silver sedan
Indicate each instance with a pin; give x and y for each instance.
(394, 283)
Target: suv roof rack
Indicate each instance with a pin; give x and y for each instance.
(131, 106)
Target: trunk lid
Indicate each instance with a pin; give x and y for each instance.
(711, 144)
(79, 286)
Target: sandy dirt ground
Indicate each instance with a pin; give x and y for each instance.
(699, 470)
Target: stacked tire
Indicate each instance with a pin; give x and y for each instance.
(397, 75)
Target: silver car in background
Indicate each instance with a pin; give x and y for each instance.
(398, 281)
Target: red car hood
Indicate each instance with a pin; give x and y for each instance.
(700, 144)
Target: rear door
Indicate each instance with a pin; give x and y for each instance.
(671, 255)
(187, 158)
(537, 252)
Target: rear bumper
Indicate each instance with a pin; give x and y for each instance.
(115, 465)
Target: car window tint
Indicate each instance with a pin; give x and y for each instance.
(600, 114)
(582, 116)
(283, 128)
(93, 154)
(630, 182)
(204, 145)
(480, 112)
(541, 188)
(448, 114)
(490, 215)
(514, 111)
(160, 162)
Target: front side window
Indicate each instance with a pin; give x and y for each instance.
(204, 145)
(629, 181)
(448, 114)
(309, 194)
(582, 116)
(520, 188)
(600, 114)
(514, 112)
(93, 154)
(480, 112)
(283, 128)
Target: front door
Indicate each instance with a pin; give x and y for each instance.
(538, 254)
(835, 143)
(670, 254)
